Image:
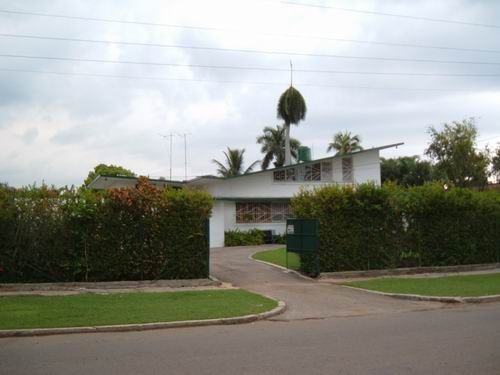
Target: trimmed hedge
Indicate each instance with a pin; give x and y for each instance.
(371, 227)
(251, 237)
(243, 238)
(50, 235)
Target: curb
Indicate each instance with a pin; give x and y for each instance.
(146, 326)
(280, 267)
(418, 297)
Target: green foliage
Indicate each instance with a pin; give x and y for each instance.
(273, 146)
(345, 143)
(371, 227)
(454, 151)
(82, 235)
(291, 106)
(108, 170)
(243, 238)
(495, 163)
(406, 170)
(233, 163)
(279, 239)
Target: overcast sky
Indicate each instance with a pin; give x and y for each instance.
(55, 128)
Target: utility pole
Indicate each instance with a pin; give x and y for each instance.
(185, 154)
(170, 151)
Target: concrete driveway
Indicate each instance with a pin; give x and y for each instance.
(305, 298)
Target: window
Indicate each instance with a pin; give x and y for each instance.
(305, 172)
(261, 212)
(326, 171)
(279, 212)
(312, 172)
(347, 174)
(279, 175)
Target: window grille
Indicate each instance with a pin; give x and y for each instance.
(261, 212)
(326, 171)
(279, 175)
(347, 170)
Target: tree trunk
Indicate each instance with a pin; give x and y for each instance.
(288, 153)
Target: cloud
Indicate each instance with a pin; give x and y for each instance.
(56, 128)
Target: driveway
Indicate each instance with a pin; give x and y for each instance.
(305, 298)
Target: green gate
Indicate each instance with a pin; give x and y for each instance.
(302, 238)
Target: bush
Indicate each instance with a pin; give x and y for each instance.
(122, 234)
(371, 227)
(279, 239)
(243, 238)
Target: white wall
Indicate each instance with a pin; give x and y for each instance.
(366, 166)
(217, 225)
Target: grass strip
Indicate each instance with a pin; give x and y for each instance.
(18, 312)
(447, 286)
(278, 257)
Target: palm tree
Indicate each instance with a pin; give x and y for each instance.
(344, 143)
(292, 109)
(273, 146)
(234, 163)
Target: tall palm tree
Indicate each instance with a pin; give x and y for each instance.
(233, 163)
(292, 109)
(344, 143)
(273, 146)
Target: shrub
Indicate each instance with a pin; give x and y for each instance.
(279, 239)
(243, 238)
(122, 234)
(369, 227)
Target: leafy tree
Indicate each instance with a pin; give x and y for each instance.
(406, 170)
(273, 146)
(495, 163)
(233, 163)
(291, 109)
(454, 153)
(108, 170)
(344, 143)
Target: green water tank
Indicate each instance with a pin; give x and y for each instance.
(304, 153)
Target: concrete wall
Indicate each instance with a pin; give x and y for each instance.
(217, 225)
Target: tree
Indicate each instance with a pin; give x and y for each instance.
(273, 146)
(291, 109)
(345, 143)
(495, 163)
(454, 153)
(108, 170)
(233, 163)
(406, 170)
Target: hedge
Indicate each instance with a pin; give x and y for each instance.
(55, 235)
(250, 237)
(370, 227)
(243, 238)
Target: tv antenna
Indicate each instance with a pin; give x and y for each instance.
(170, 136)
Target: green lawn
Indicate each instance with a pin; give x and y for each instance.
(449, 286)
(278, 257)
(98, 309)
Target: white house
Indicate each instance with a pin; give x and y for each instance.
(260, 199)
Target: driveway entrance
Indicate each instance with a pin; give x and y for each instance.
(305, 298)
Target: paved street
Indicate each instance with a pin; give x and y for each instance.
(327, 330)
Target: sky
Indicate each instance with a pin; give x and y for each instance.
(60, 118)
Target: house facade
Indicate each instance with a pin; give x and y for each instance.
(261, 199)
